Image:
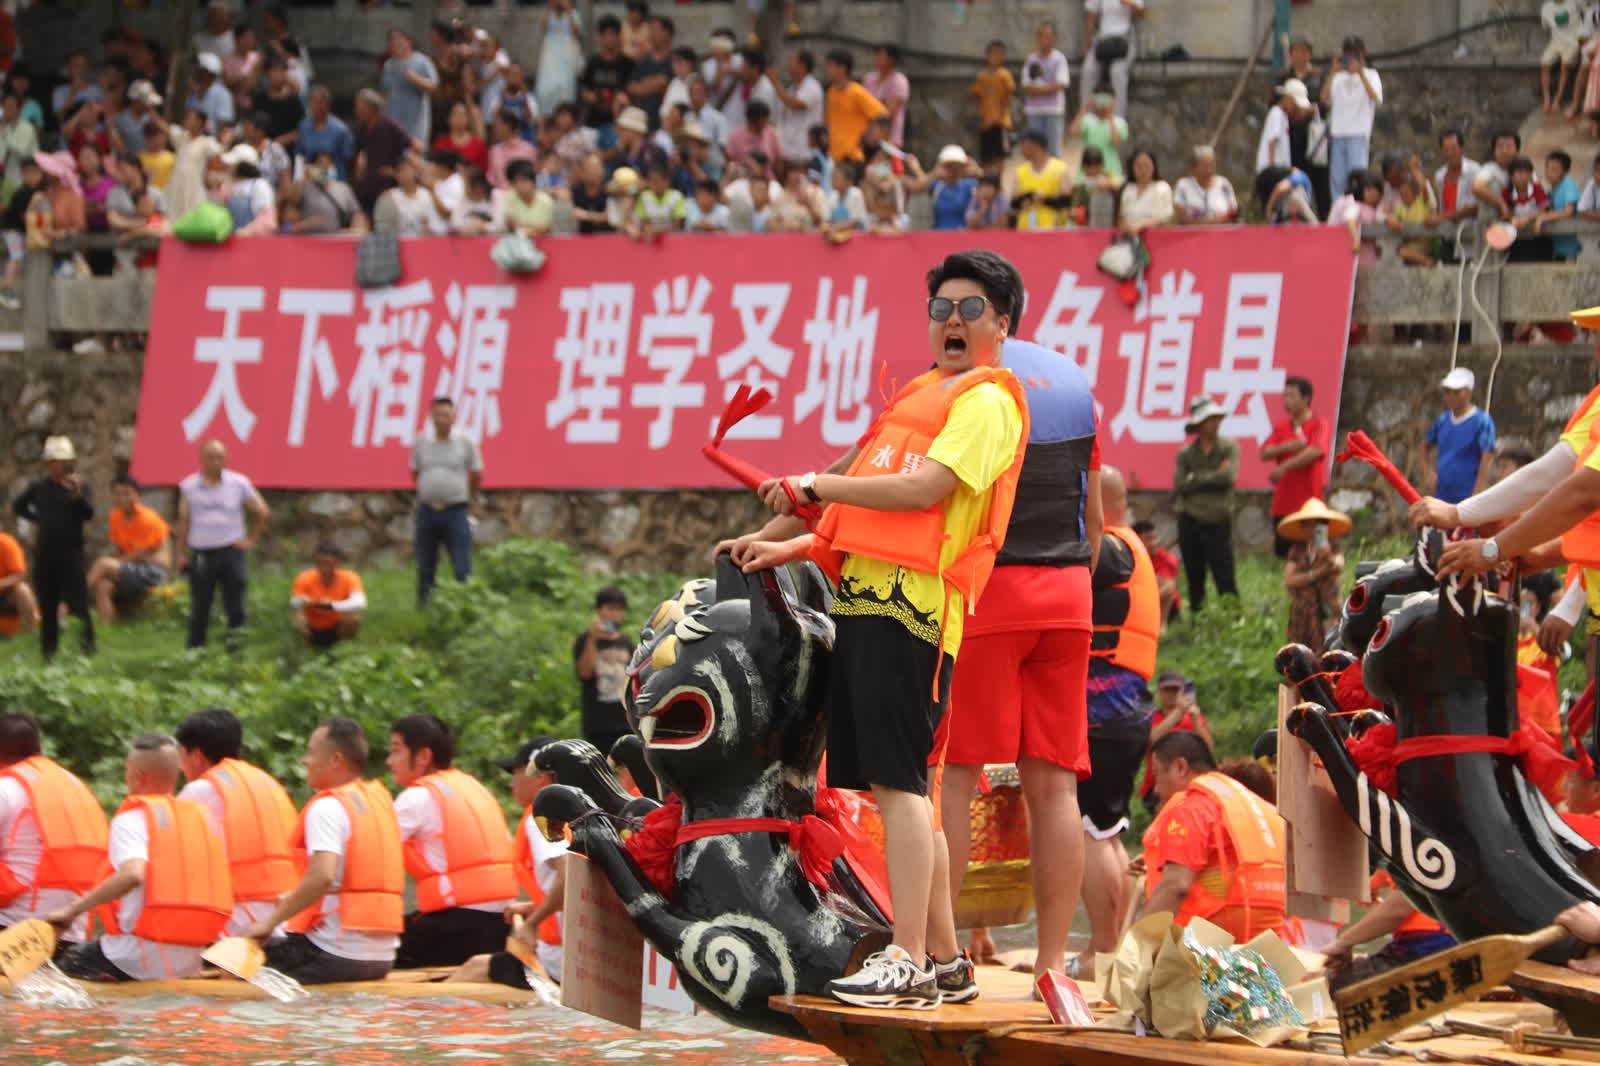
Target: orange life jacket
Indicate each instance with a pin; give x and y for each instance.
(1128, 636)
(477, 846)
(72, 830)
(897, 442)
(1581, 543)
(522, 863)
(188, 896)
(258, 821)
(372, 891)
(1417, 923)
(1256, 834)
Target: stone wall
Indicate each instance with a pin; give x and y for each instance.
(1389, 392)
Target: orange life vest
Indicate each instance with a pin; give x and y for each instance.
(258, 821)
(897, 442)
(372, 891)
(477, 846)
(1256, 834)
(1130, 640)
(188, 896)
(1581, 543)
(522, 863)
(1417, 923)
(72, 830)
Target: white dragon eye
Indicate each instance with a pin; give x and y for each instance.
(690, 629)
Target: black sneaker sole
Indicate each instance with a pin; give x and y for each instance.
(960, 995)
(888, 1000)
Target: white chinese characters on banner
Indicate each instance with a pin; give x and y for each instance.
(227, 353)
(1249, 340)
(671, 337)
(1155, 395)
(758, 361)
(473, 340)
(841, 340)
(316, 366)
(592, 353)
(386, 388)
(1068, 324)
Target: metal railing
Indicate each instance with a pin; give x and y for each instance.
(1387, 292)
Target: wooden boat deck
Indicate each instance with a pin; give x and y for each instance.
(1006, 1026)
(402, 984)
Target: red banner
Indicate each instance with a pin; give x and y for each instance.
(609, 367)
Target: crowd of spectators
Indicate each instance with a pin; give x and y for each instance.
(627, 130)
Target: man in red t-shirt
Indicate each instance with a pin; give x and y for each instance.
(1299, 448)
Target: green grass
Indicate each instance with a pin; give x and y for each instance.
(493, 658)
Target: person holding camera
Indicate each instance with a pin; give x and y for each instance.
(1313, 570)
(58, 506)
(1108, 27)
(1350, 97)
(600, 657)
(1045, 76)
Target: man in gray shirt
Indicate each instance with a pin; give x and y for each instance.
(447, 469)
(408, 80)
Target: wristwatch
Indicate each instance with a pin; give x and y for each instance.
(1491, 551)
(805, 483)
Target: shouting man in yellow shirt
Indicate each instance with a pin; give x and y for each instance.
(914, 516)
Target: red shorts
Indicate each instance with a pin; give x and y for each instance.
(1020, 694)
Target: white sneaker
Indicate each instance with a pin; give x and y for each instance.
(9, 301)
(89, 346)
(889, 980)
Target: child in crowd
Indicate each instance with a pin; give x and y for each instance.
(660, 208)
(887, 215)
(1564, 198)
(760, 204)
(1412, 210)
(13, 228)
(847, 207)
(706, 213)
(475, 214)
(552, 176)
(990, 208)
(1356, 208)
(157, 157)
(622, 194)
(993, 89)
(1527, 200)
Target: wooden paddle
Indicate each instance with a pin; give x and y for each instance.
(238, 955)
(1373, 1010)
(25, 947)
(523, 953)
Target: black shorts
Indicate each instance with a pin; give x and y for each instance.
(882, 712)
(323, 638)
(993, 144)
(135, 580)
(1115, 755)
(449, 937)
(296, 956)
(87, 962)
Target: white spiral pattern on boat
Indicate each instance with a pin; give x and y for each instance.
(1431, 864)
(720, 956)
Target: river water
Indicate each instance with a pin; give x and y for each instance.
(371, 1031)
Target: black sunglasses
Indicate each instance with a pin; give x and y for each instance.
(940, 308)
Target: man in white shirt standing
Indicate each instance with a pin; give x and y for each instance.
(348, 909)
(1273, 148)
(161, 925)
(1045, 77)
(1452, 182)
(802, 108)
(1108, 29)
(212, 540)
(1351, 97)
(1563, 19)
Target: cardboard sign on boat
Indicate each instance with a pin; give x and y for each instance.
(601, 948)
(1326, 852)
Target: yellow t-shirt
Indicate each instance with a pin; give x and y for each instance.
(158, 167)
(1041, 183)
(977, 444)
(994, 89)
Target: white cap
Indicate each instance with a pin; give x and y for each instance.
(1295, 89)
(59, 449)
(241, 153)
(1459, 378)
(953, 153)
(144, 92)
(210, 63)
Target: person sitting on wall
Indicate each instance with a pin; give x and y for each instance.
(328, 600)
(142, 543)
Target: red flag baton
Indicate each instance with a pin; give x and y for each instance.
(746, 402)
(1360, 446)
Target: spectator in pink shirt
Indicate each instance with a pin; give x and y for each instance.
(506, 148)
(758, 134)
(891, 88)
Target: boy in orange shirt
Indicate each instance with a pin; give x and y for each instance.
(994, 88)
(328, 600)
(18, 608)
(143, 544)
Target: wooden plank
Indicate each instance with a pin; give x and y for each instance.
(1121, 1049)
(392, 988)
(1327, 851)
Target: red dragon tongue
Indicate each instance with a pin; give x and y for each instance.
(744, 403)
